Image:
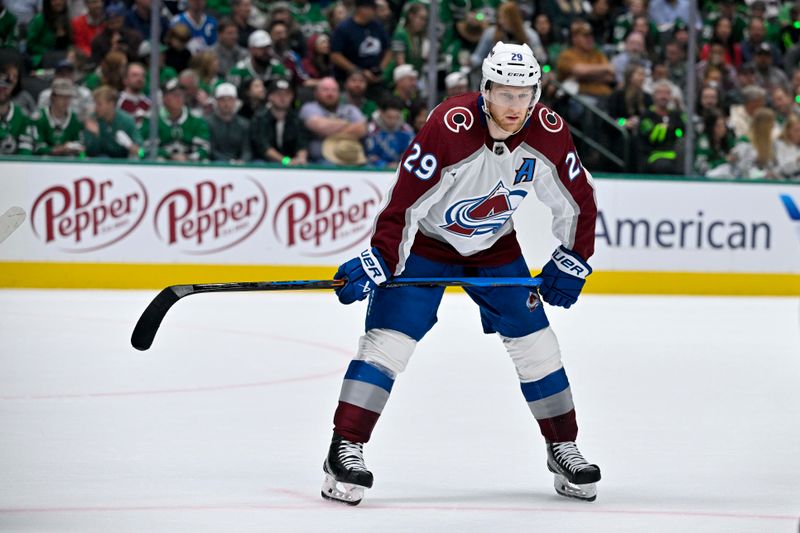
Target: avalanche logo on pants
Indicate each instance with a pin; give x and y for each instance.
(485, 214)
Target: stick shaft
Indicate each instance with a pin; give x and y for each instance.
(153, 315)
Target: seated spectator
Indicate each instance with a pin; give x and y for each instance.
(360, 42)
(111, 72)
(110, 132)
(195, 98)
(309, 17)
(9, 28)
(510, 28)
(756, 36)
(628, 103)
(298, 34)
(714, 143)
(326, 117)
(278, 135)
(389, 135)
(723, 33)
(291, 60)
(709, 101)
(661, 130)
(456, 83)
(181, 135)
(741, 116)
(165, 72)
(405, 87)
(132, 99)
(411, 38)
(784, 105)
(19, 95)
(203, 27)
(355, 93)
(58, 128)
(115, 37)
(547, 34)
(17, 131)
(343, 152)
(585, 64)
(240, 16)
(49, 31)
(768, 76)
(419, 116)
(177, 55)
(227, 49)
(600, 19)
(254, 96)
(82, 102)
(317, 63)
(754, 157)
(261, 64)
(729, 10)
(138, 19)
(230, 133)
(675, 60)
(787, 149)
(716, 59)
(336, 14)
(206, 66)
(623, 23)
(634, 53)
(790, 32)
(87, 26)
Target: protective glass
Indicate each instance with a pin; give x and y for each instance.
(515, 97)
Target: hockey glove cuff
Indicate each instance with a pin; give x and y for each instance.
(362, 274)
(563, 278)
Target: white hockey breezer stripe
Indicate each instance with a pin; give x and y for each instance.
(10, 221)
(372, 266)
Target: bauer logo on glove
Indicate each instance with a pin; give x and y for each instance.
(563, 278)
(362, 274)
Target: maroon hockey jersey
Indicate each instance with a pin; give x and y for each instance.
(457, 188)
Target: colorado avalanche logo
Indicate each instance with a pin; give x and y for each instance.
(482, 215)
(457, 118)
(550, 120)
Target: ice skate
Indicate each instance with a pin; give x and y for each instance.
(346, 475)
(574, 476)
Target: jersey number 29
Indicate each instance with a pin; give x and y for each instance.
(427, 165)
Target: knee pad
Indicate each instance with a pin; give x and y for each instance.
(387, 349)
(536, 355)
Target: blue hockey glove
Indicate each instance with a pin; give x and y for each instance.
(563, 278)
(363, 274)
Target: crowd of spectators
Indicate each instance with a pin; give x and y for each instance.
(344, 82)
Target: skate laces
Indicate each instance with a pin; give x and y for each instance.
(351, 455)
(568, 455)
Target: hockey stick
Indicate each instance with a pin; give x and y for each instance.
(149, 322)
(10, 221)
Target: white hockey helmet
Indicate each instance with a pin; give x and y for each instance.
(512, 64)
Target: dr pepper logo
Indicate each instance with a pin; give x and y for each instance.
(327, 219)
(209, 216)
(89, 213)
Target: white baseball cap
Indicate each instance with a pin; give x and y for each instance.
(455, 78)
(225, 89)
(401, 71)
(259, 39)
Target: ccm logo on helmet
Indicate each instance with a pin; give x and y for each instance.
(458, 118)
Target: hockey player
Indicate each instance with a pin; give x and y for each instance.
(449, 214)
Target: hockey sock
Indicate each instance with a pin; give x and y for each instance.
(550, 401)
(365, 390)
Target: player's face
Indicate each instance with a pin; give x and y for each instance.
(509, 105)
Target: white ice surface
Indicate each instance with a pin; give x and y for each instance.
(691, 406)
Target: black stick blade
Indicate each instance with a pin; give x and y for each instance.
(149, 322)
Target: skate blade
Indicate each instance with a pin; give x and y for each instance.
(341, 492)
(587, 492)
